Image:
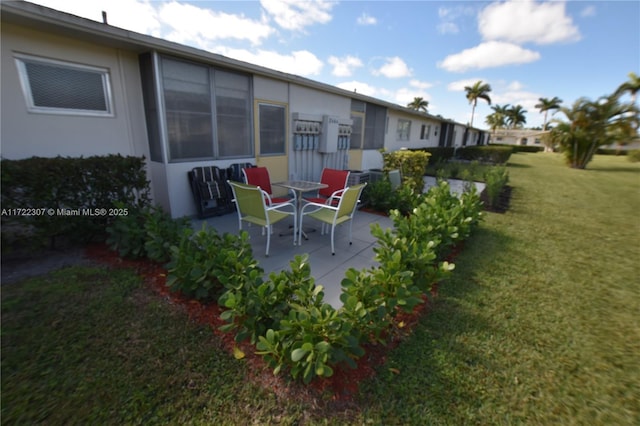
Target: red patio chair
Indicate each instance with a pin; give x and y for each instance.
(337, 181)
(259, 176)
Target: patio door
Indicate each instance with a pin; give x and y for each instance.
(272, 139)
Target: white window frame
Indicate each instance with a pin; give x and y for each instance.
(403, 131)
(425, 131)
(22, 60)
(283, 107)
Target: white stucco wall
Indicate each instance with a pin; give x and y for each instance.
(391, 138)
(25, 134)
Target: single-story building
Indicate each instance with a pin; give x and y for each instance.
(76, 87)
(518, 137)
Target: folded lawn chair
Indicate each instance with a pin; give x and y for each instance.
(210, 191)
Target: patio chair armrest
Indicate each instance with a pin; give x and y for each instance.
(317, 206)
(335, 196)
(281, 205)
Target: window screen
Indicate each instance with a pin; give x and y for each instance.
(187, 100)
(356, 131)
(59, 87)
(272, 129)
(207, 111)
(404, 130)
(374, 126)
(233, 114)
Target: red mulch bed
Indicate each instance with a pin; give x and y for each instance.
(340, 388)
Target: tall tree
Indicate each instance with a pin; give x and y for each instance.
(548, 104)
(516, 116)
(479, 90)
(497, 119)
(494, 121)
(419, 104)
(592, 124)
(632, 86)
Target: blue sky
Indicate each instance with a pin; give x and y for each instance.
(397, 50)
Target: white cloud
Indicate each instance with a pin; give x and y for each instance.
(295, 15)
(448, 28)
(366, 19)
(344, 67)
(516, 97)
(192, 24)
(134, 15)
(515, 86)
(420, 84)
(459, 85)
(448, 15)
(405, 95)
(588, 11)
(527, 21)
(393, 68)
(358, 87)
(300, 62)
(488, 55)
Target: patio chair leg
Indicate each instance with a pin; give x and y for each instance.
(333, 250)
(266, 254)
(350, 233)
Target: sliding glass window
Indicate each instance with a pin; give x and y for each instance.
(192, 92)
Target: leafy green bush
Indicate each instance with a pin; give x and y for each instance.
(127, 235)
(285, 316)
(412, 165)
(495, 179)
(162, 233)
(146, 232)
(438, 154)
(372, 298)
(522, 148)
(288, 321)
(378, 195)
(204, 262)
(76, 196)
(634, 155)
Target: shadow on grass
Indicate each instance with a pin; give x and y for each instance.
(629, 169)
(518, 165)
(435, 373)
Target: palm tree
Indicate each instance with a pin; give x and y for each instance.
(516, 116)
(632, 86)
(545, 105)
(592, 124)
(419, 104)
(479, 90)
(494, 121)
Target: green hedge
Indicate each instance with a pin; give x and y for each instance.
(438, 154)
(610, 151)
(523, 148)
(485, 154)
(44, 198)
(412, 165)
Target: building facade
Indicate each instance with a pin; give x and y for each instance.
(76, 87)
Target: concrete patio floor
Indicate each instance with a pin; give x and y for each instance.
(327, 270)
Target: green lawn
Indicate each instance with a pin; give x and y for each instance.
(539, 324)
